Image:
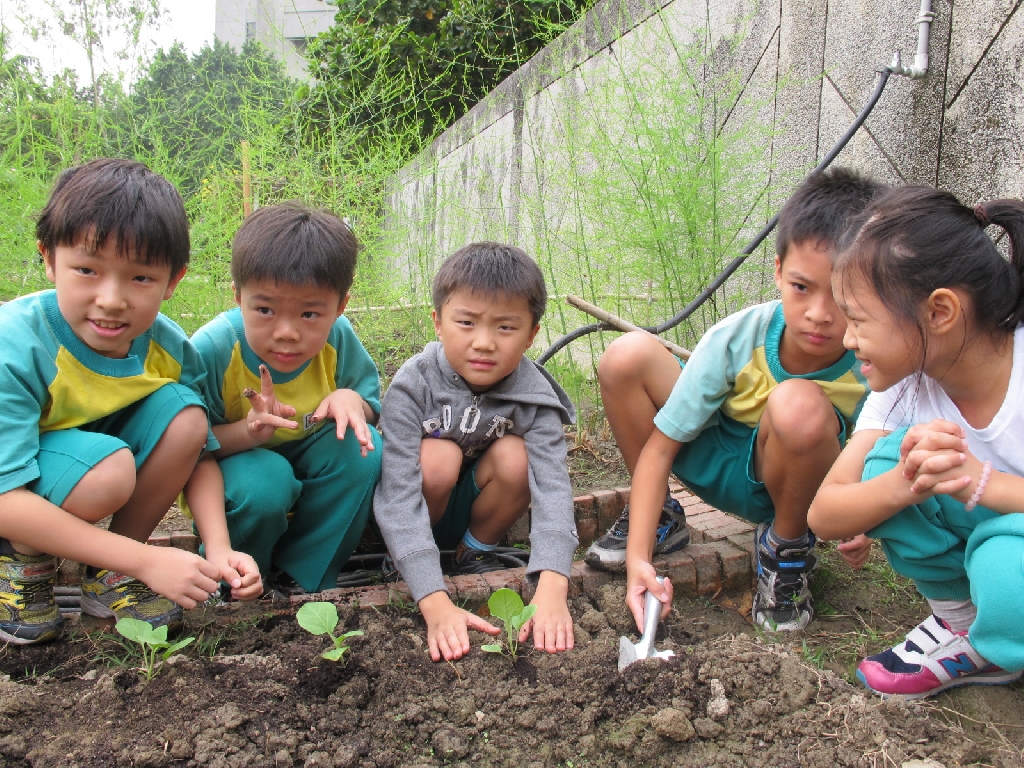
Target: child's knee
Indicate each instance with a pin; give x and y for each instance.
(801, 415)
(509, 462)
(440, 462)
(104, 489)
(188, 430)
(625, 357)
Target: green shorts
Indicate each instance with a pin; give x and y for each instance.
(449, 530)
(718, 466)
(67, 455)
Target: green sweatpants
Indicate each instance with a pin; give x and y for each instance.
(952, 554)
(326, 486)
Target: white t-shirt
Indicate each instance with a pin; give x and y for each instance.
(920, 399)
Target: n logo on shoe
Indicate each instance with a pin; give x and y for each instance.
(960, 664)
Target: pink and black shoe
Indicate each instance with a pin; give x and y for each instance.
(931, 659)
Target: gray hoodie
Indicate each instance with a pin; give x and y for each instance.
(428, 399)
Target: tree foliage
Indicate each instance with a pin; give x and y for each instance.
(390, 65)
(191, 114)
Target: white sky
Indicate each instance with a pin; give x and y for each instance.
(188, 21)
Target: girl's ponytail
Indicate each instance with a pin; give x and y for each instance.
(1008, 214)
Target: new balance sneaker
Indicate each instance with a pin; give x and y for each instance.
(473, 560)
(608, 553)
(931, 659)
(782, 601)
(28, 612)
(109, 594)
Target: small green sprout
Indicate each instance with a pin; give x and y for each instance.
(321, 618)
(506, 605)
(152, 640)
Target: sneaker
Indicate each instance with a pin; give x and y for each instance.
(608, 553)
(389, 571)
(782, 602)
(472, 560)
(28, 612)
(931, 659)
(109, 594)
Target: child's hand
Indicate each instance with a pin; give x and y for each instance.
(347, 409)
(266, 414)
(181, 576)
(855, 551)
(640, 578)
(448, 627)
(924, 440)
(551, 624)
(239, 571)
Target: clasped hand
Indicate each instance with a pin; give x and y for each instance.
(936, 460)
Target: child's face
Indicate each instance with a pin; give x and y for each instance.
(813, 338)
(108, 299)
(886, 352)
(484, 336)
(286, 325)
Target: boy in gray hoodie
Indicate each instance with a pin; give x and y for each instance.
(473, 434)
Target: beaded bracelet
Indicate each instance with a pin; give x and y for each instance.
(986, 470)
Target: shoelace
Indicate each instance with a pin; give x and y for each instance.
(34, 592)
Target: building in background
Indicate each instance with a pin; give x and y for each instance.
(283, 26)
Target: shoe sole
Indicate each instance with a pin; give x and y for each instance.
(46, 637)
(95, 608)
(1001, 678)
(611, 566)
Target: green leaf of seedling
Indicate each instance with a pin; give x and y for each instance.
(335, 654)
(505, 604)
(141, 632)
(492, 647)
(171, 650)
(319, 618)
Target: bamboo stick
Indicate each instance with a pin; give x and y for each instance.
(624, 325)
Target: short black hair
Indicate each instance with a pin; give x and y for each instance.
(295, 245)
(822, 207)
(491, 269)
(122, 199)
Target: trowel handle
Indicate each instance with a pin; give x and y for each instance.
(652, 612)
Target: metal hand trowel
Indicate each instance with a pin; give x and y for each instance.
(630, 652)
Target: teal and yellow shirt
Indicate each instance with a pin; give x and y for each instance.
(734, 368)
(233, 367)
(50, 379)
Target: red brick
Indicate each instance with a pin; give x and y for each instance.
(709, 575)
(371, 597)
(584, 507)
(737, 570)
(681, 569)
(587, 531)
(608, 509)
(527, 588)
(471, 587)
(159, 541)
(687, 501)
(730, 528)
(399, 592)
(510, 578)
(186, 541)
(623, 494)
(743, 541)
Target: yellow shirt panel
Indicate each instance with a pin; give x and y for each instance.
(79, 396)
(305, 392)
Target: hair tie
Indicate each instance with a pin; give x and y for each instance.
(982, 216)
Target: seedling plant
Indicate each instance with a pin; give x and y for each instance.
(153, 642)
(507, 606)
(321, 618)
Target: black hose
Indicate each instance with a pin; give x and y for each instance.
(883, 77)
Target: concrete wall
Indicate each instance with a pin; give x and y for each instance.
(801, 70)
(283, 26)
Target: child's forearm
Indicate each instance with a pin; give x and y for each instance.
(647, 495)
(204, 493)
(1004, 493)
(31, 521)
(234, 438)
(843, 510)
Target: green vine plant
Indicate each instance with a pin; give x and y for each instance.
(153, 642)
(321, 618)
(507, 606)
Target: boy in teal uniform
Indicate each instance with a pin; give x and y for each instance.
(751, 423)
(281, 365)
(101, 414)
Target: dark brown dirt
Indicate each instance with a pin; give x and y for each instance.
(253, 691)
